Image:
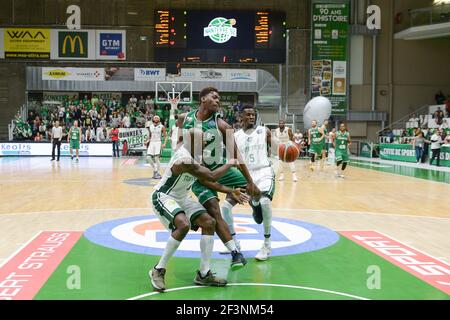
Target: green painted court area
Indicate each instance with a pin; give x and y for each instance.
(420, 173)
(336, 272)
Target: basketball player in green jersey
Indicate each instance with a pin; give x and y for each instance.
(315, 138)
(342, 142)
(324, 129)
(219, 137)
(75, 139)
(178, 212)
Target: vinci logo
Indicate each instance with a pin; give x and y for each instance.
(220, 30)
(111, 44)
(146, 235)
(72, 44)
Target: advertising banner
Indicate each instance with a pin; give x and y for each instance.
(45, 149)
(149, 74)
(135, 137)
(111, 45)
(235, 75)
(72, 44)
(2, 43)
(28, 43)
(330, 25)
(398, 152)
(445, 156)
(365, 149)
(73, 74)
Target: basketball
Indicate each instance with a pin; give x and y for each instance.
(288, 152)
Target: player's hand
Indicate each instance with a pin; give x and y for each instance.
(253, 191)
(239, 196)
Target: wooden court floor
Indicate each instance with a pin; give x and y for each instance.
(39, 195)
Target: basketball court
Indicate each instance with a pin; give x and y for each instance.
(380, 233)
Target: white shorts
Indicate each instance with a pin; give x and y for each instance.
(167, 208)
(154, 149)
(264, 179)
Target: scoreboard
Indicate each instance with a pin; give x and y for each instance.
(220, 36)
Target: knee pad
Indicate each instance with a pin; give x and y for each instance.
(265, 201)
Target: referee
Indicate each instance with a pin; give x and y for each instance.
(56, 139)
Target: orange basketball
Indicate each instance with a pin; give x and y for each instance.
(288, 152)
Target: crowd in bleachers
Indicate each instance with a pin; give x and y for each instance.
(97, 117)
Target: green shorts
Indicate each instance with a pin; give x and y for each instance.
(341, 155)
(233, 178)
(167, 208)
(74, 144)
(316, 149)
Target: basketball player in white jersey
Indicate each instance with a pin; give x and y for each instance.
(284, 135)
(178, 212)
(174, 138)
(253, 142)
(154, 145)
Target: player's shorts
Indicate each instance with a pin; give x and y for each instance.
(154, 149)
(233, 178)
(264, 179)
(316, 149)
(74, 144)
(167, 208)
(341, 155)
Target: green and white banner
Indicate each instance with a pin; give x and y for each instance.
(365, 149)
(135, 137)
(398, 152)
(329, 48)
(445, 157)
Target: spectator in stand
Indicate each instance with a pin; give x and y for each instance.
(436, 142)
(439, 97)
(438, 115)
(132, 101)
(447, 107)
(141, 104)
(38, 137)
(237, 107)
(126, 121)
(89, 135)
(149, 105)
(100, 135)
(114, 134)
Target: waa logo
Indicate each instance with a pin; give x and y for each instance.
(146, 235)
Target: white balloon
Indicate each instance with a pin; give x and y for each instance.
(318, 108)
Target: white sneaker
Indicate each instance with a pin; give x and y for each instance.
(281, 178)
(341, 176)
(264, 253)
(294, 177)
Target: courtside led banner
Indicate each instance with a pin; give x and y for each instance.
(73, 44)
(111, 45)
(28, 43)
(73, 74)
(45, 149)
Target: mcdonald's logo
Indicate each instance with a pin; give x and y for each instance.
(73, 44)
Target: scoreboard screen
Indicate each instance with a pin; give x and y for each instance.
(220, 36)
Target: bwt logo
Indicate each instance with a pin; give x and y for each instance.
(24, 34)
(147, 73)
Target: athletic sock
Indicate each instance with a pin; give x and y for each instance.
(171, 246)
(231, 245)
(227, 215)
(266, 206)
(206, 247)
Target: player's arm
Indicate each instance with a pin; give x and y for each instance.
(180, 121)
(269, 137)
(290, 134)
(252, 189)
(349, 141)
(309, 136)
(322, 131)
(237, 194)
(201, 172)
(68, 136)
(334, 140)
(79, 135)
(164, 132)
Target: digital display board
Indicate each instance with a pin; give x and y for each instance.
(220, 36)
